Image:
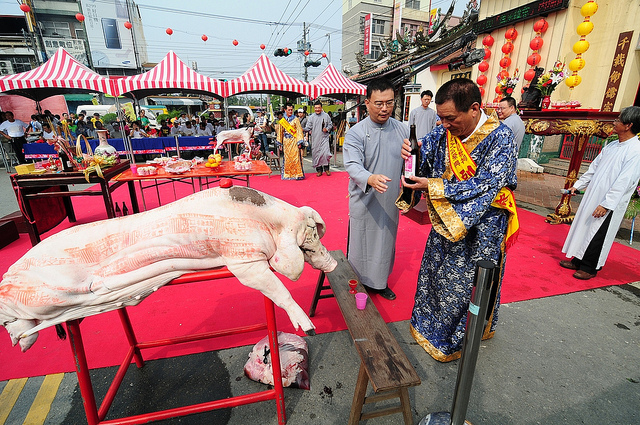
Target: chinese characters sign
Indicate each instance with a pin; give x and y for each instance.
(617, 68)
(367, 34)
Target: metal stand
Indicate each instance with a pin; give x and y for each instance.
(487, 276)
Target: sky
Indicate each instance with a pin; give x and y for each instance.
(275, 23)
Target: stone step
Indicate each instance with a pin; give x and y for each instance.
(559, 167)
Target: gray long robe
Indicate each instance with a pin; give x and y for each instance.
(371, 148)
(320, 151)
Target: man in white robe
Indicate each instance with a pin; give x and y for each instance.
(611, 180)
(319, 126)
(372, 159)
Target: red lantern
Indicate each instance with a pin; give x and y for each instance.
(483, 66)
(507, 48)
(541, 26)
(487, 41)
(25, 8)
(306, 53)
(235, 42)
(536, 43)
(529, 74)
(505, 62)
(324, 55)
(128, 25)
(534, 59)
(169, 31)
(503, 75)
(511, 34)
(481, 80)
(80, 17)
(487, 54)
(262, 46)
(204, 37)
(481, 92)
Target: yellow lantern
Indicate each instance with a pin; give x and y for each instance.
(580, 47)
(573, 81)
(585, 28)
(589, 9)
(577, 64)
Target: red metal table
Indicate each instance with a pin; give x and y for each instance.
(96, 415)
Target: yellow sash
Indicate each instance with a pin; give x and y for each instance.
(464, 167)
(291, 129)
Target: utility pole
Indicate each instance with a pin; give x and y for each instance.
(304, 43)
(328, 35)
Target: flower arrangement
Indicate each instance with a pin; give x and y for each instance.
(548, 81)
(507, 84)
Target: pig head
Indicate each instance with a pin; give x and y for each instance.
(244, 134)
(110, 264)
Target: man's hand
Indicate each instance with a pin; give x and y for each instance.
(406, 149)
(600, 211)
(420, 183)
(378, 182)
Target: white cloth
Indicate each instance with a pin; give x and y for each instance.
(13, 129)
(424, 120)
(48, 135)
(201, 132)
(516, 125)
(371, 148)
(611, 179)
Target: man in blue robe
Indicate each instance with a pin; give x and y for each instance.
(469, 166)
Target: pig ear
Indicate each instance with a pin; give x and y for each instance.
(313, 214)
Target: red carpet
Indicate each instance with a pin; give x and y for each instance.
(532, 272)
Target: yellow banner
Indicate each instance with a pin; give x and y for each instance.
(287, 126)
(464, 167)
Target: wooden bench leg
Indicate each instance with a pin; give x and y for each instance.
(406, 406)
(320, 286)
(358, 396)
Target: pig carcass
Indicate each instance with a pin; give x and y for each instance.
(105, 265)
(244, 134)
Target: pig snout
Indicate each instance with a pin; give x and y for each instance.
(319, 258)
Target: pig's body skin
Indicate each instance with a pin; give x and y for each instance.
(240, 135)
(105, 265)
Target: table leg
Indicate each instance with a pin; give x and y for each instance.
(358, 396)
(108, 201)
(32, 228)
(133, 196)
(275, 360)
(68, 205)
(82, 368)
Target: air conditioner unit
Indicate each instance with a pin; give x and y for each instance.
(5, 67)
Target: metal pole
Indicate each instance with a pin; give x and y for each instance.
(487, 275)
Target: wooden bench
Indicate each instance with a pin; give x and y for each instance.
(383, 363)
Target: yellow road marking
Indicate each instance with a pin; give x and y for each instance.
(9, 396)
(42, 403)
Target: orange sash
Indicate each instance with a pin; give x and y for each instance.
(464, 167)
(288, 127)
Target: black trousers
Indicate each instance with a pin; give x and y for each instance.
(589, 260)
(17, 143)
(322, 168)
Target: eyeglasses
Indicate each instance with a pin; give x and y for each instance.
(388, 104)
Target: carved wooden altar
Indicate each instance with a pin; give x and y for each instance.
(580, 123)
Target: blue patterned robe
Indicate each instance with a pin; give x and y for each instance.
(466, 228)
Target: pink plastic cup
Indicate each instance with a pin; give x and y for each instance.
(361, 300)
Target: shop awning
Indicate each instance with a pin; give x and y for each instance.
(180, 101)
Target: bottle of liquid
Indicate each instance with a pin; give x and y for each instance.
(64, 159)
(118, 211)
(125, 210)
(411, 169)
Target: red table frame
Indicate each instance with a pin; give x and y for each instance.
(96, 415)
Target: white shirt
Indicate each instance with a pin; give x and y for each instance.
(13, 129)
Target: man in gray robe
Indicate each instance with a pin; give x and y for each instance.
(319, 125)
(372, 159)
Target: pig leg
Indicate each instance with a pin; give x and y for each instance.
(17, 328)
(257, 275)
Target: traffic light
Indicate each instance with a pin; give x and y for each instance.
(312, 63)
(282, 52)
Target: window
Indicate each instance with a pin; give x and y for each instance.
(375, 52)
(21, 64)
(412, 4)
(377, 26)
(54, 29)
(80, 33)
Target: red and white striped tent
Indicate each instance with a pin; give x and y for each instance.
(331, 81)
(61, 74)
(265, 77)
(169, 73)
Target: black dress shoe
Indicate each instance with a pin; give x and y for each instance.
(385, 293)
